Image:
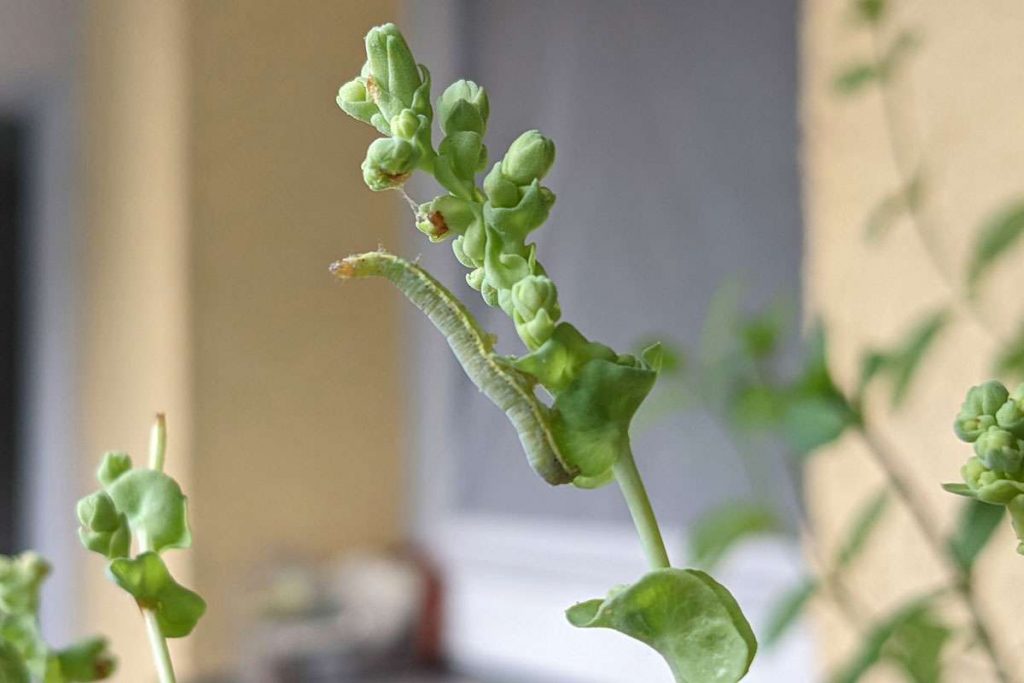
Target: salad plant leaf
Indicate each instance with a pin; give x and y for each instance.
(684, 614)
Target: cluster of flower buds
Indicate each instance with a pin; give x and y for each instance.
(992, 419)
(490, 227)
(392, 93)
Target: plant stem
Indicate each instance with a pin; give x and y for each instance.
(632, 486)
(963, 580)
(157, 641)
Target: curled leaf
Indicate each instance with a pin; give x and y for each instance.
(684, 614)
(155, 507)
(147, 579)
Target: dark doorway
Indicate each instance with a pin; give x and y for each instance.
(12, 203)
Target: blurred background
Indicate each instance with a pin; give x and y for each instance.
(175, 178)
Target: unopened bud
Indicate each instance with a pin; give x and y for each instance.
(979, 409)
(529, 158)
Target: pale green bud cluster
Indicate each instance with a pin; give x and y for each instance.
(24, 653)
(392, 93)
(992, 419)
(490, 226)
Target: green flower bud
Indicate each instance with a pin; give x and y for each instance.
(532, 295)
(978, 411)
(405, 125)
(1000, 450)
(355, 101)
(98, 512)
(113, 466)
(529, 158)
(475, 279)
(21, 578)
(394, 76)
(104, 530)
(463, 106)
(489, 293)
(527, 215)
(501, 192)
(537, 330)
(1010, 415)
(389, 163)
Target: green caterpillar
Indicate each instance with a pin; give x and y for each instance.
(509, 389)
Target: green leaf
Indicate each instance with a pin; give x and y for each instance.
(865, 522)
(916, 646)
(812, 422)
(891, 207)
(959, 490)
(903, 364)
(592, 415)
(893, 638)
(155, 507)
(1010, 359)
(86, 661)
(21, 579)
(978, 523)
(999, 234)
(716, 532)
(870, 11)
(12, 666)
(684, 614)
(785, 611)
(854, 78)
(146, 578)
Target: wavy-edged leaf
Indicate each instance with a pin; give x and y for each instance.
(864, 523)
(155, 507)
(976, 527)
(995, 239)
(716, 532)
(147, 579)
(684, 614)
(784, 613)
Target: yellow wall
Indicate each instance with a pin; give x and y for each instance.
(963, 91)
(221, 181)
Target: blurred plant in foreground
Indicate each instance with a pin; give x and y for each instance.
(744, 385)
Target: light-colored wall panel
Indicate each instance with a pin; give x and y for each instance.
(962, 93)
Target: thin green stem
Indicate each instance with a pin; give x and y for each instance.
(633, 490)
(157, 641)
(158, 443)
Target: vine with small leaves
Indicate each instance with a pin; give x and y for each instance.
(811, 410)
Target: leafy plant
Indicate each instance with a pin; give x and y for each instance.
(580, 436)
(144, 507)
